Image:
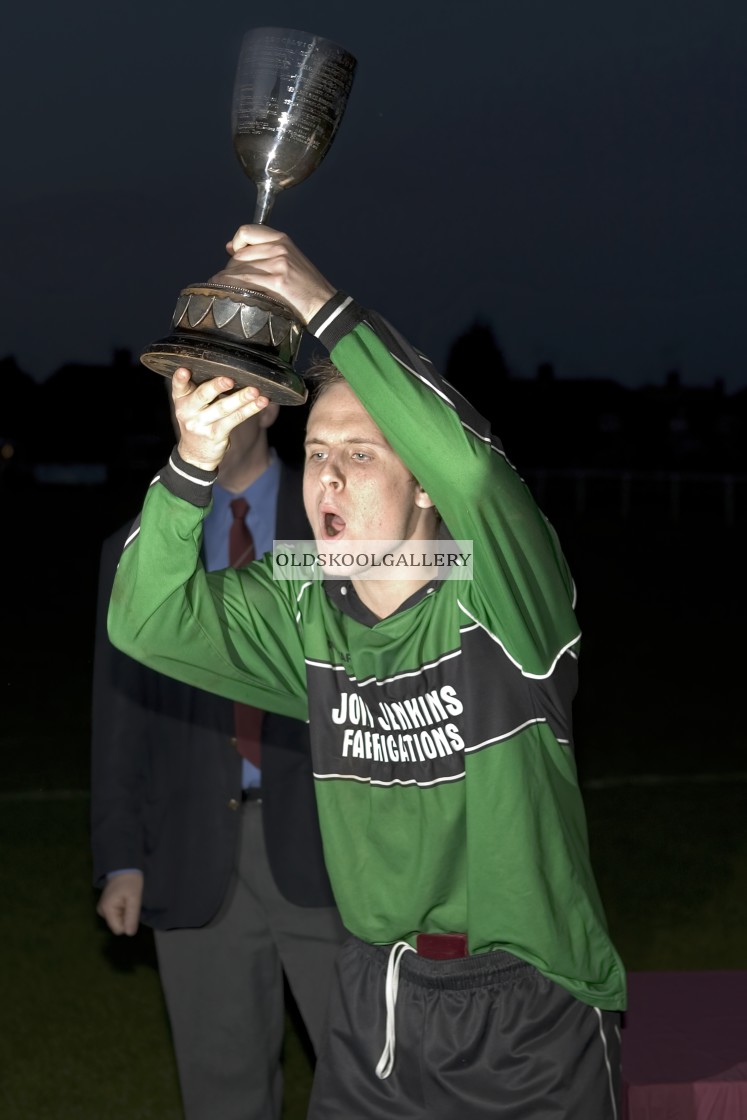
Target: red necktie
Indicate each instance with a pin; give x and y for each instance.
(248, 720)
(240, 539)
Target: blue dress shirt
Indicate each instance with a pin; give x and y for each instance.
(262, 497)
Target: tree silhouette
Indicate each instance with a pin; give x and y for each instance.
(476, 366)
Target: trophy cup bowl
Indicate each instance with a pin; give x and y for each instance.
(290, 93)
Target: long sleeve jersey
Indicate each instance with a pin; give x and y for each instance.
(441, 735)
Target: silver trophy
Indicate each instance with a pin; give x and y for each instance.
(289, 97)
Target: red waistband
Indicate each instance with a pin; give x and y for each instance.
(441, 946)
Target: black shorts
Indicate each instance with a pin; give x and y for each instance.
(483, 1036)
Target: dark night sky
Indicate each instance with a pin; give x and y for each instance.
(573, 172)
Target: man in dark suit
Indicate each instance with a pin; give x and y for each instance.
(223, 859)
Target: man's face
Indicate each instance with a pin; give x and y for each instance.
(355, 487)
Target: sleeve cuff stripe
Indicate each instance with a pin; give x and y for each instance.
(190, 477)
(318, 331)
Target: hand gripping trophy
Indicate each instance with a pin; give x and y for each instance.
(290, 94)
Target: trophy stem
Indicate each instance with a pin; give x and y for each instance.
(265, 198)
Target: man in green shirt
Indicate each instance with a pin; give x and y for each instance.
(479, 979)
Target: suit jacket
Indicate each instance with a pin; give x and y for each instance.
(166, 776)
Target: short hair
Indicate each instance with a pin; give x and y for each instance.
(321, 375)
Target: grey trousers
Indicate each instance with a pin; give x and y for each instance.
(223, 985)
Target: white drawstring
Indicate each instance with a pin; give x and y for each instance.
(386, 1061)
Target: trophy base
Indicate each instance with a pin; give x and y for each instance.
(221, 329)
(206, 358)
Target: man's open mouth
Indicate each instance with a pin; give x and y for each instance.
(333, 525)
